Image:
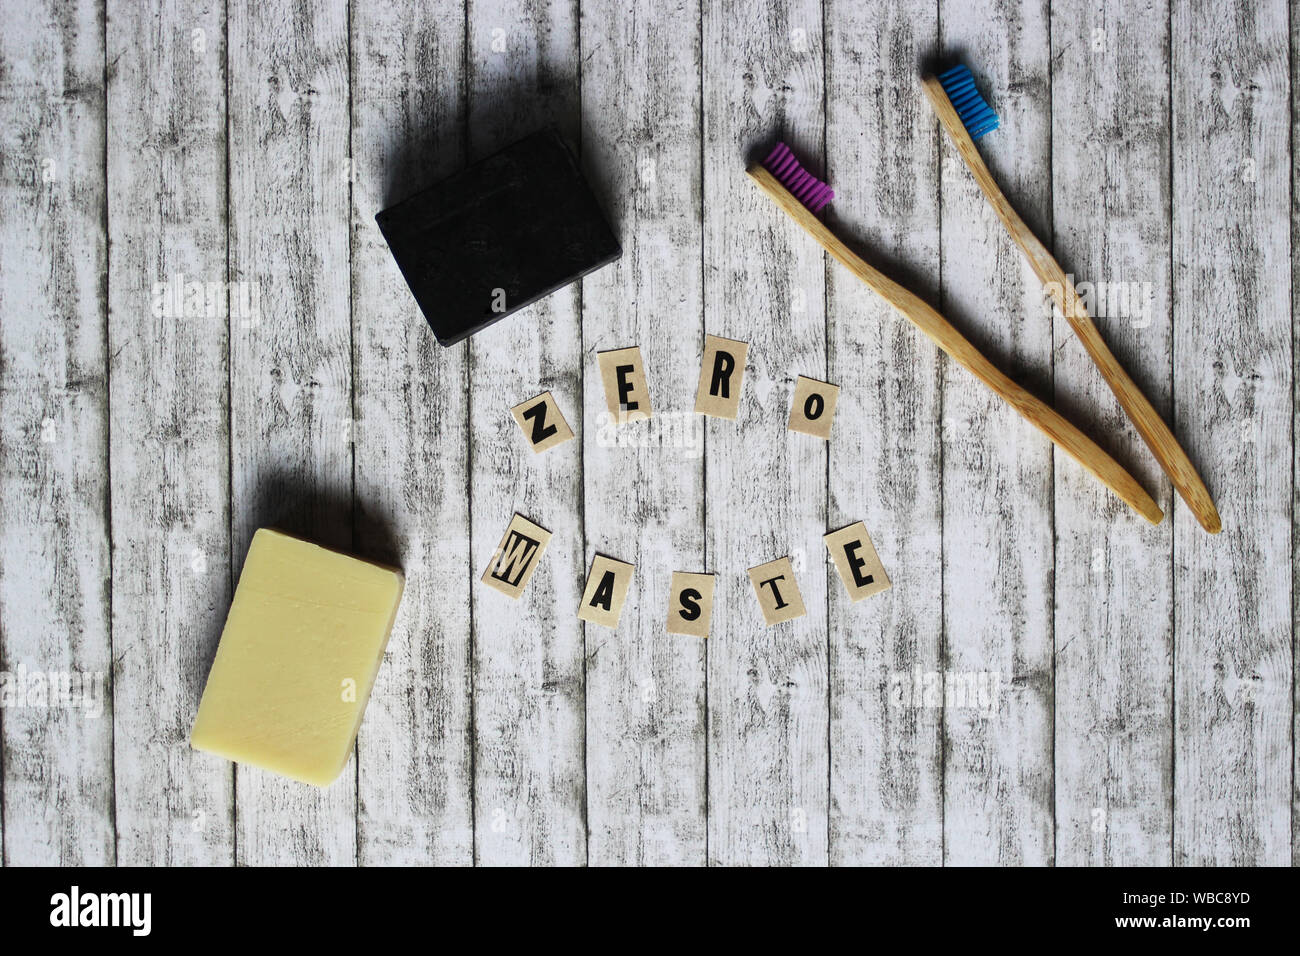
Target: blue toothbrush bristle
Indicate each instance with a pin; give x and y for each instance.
(976, 115)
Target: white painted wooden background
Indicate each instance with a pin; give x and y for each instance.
(1147, 711)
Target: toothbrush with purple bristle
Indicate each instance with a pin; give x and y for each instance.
(800, 195)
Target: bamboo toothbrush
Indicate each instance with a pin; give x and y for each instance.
(801, 195)
(967, 117)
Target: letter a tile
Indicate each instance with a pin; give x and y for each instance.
(602, 600)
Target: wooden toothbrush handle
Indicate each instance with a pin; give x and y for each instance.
(1066, 437)
(1164, 446)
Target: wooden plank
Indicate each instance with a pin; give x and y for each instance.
(1233, 669)
(1295, 431)
(885, 455)
(644, 500)
(169, 316)
(291, 374)
(415, 775)
(529, 788)
(54, 535)
(768, 763)
(1114, 590)
(997, 482)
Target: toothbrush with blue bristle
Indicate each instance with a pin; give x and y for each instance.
(966, 116)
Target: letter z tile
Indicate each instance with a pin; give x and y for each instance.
(542, 422)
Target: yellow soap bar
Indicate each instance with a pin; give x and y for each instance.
(301, 647)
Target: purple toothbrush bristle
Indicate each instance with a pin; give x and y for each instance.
(803, 185)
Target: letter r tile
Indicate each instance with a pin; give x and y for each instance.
(722, 372)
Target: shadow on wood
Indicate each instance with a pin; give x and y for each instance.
(328, 517)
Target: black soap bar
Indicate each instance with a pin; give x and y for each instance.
(498, 236)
